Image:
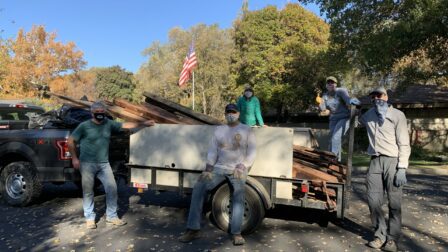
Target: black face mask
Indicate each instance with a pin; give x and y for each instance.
(99, 116)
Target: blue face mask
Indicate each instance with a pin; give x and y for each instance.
(231, 118)
(381, 107)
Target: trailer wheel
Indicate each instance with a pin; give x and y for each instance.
(19, 184)
(254, 210)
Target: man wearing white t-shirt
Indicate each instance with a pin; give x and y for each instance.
(230, 156)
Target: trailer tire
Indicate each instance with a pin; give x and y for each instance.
(19, 184)
(253, 213)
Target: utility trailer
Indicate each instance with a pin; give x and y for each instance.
(171, 158)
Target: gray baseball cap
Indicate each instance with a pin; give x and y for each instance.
(378, 90)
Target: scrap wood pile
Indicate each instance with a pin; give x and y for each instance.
(317, 166)
(155, 108)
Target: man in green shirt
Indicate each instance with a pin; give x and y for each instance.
(93, 137)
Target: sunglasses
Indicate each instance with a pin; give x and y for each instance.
(231, 112)
(376, 95)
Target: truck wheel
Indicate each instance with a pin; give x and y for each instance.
(19, 184)
(253, 211)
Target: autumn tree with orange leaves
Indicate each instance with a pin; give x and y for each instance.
(34, 60)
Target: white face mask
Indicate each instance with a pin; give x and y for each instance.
(231, 118)
(248, 94)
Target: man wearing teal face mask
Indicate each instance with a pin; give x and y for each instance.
(389, 149)
(230, 156)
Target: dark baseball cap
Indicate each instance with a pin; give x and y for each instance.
(231, 107)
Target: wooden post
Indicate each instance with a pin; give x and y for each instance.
(351, 140)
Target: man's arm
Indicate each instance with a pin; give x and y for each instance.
(212, 153)
(402, 136)
(258, 112)
(132, 125)
(251, 150)
(72, 150)
(343, 93)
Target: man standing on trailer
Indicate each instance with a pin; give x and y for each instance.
(389, 149)
(93, 137)
(230, 156)
(336, 103)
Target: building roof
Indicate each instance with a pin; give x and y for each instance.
(416, 96)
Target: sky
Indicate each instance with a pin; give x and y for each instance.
(115, 32)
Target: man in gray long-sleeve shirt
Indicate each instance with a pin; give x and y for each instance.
(389, 149)
(336, 103)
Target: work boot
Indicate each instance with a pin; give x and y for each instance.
(238, 240)
(189, 235)
(376, 243)
(390, 246)
(116, 222)
(90, 224)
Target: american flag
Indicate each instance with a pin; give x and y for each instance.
(189, 63)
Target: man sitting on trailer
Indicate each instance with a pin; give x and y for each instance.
(230, 156)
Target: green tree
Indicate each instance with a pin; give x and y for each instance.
(376, 35)
(213, 80)
(114, 82)
(281, 53)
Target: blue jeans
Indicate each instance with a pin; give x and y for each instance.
(203, 187)
(104, 173)
(338, 128)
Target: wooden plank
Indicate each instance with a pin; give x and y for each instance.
(315, 174)
(123, 114)
(180, 119)
(316, 167)
(171, 107)
(85, 104)
(155, 113)
(338, 168)
(303, 148)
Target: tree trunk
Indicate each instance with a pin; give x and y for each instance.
(204, 101)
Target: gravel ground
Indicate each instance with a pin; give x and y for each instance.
(55, 223)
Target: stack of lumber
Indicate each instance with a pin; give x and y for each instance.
(155, 108)
(314, 164)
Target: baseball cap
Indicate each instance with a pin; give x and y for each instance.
(332, 78)
(231, 107)
(378, 90)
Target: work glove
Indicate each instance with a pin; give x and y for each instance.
(400, 177)
(319, 99)
(324, 113)
(238, 173)
(355, 101)
(206, 176)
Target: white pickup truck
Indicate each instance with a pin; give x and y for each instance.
(171, 157)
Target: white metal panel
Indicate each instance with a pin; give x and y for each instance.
(185, 146)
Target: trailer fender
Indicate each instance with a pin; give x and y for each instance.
(261, 190)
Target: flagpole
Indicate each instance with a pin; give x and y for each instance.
(193, 90)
